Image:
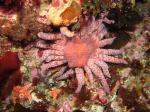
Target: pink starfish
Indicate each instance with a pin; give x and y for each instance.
(84, 53)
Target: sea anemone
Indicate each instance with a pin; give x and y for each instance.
(84, 53)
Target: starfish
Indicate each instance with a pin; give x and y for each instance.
(85, 53)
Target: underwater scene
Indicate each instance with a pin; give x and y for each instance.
(74, 55)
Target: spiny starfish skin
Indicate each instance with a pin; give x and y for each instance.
(83, 53)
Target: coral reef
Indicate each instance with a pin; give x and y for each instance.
(32, 72)
(61, 13)
(64, 12)
(21, 94)
(20, 24)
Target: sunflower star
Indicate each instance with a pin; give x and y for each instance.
(82, 53)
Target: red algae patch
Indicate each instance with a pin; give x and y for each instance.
(10, 74)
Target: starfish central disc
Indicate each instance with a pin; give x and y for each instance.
(77, 52)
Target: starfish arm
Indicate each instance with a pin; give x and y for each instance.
(106, 20)
(54, 57)
(34, 73)
(65, 31)
(49, 36)
(111, 59)
(56, 52)
(80, 78)
(47, 53)
(57, 47)
(61, 110)
(67, 107)
(66, 75)
(28, 47)
(102, 33)
(43, 69)
(102, 30)
(109, 51)
(97, 71)
(105, 42)
(41, 44)
(55, 63)
(52, 64)
(89, 74)
(104, 67)
(96, 25)
(61, 71)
